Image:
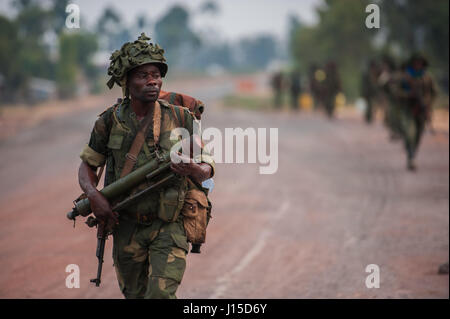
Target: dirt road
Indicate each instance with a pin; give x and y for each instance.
(340, 200)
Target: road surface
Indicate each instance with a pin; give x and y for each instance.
(340, 200)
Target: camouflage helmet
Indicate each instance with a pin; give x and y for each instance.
(131, 55)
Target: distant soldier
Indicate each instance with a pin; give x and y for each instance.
(277, 86)
(332, 86)
(295, 88)
(369, 89)
(443, 269)
(417, 91)
(317, 77)
(388, 78)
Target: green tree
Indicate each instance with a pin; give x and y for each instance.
(58, 14)
(257, 52)
(12, 74)
(174, 34)
(419, 26)
(75, 51)
(32, 23)
(340, 36)
(111, 30)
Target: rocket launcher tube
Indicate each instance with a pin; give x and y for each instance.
(122, 185)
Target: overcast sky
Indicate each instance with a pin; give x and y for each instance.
(237, 18)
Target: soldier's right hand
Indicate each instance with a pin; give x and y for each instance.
(102, 210)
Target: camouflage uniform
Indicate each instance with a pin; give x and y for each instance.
(149, 253)
(150, 256)
(387, 80)
(416, 92)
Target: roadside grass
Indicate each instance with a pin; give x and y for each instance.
(254, 102)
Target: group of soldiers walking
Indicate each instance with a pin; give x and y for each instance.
(280, 81)
(324, 85)
(406, 93)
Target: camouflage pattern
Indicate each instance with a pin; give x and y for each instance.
(150, 257)
(195, 106)
(392, 117)
(149, 260)
(415, 110)
(388, 81)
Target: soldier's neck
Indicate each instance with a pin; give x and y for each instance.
(141, 109)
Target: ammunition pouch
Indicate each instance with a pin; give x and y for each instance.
(196, 213)
(171, 201)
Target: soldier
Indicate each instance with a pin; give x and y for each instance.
(149, 250)
(316, 79)
(387, 80)
(369, 89)
(416, 93)
(295, 89)
(332, 86)
(277, 86)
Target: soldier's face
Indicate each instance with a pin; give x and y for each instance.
(144, 83)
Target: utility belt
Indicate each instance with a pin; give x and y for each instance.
(164, 203)
(192, 206)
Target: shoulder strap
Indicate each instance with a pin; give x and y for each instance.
(131, 156)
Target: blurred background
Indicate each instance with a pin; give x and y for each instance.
(42, 58)
(344, 198)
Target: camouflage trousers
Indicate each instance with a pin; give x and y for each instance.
(412, 127)
(149, 259)
(368, 115)
(330, 104)
(393, 119)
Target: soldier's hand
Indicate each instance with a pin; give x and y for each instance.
(102, 210)
(184, 166)
(198, 171)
